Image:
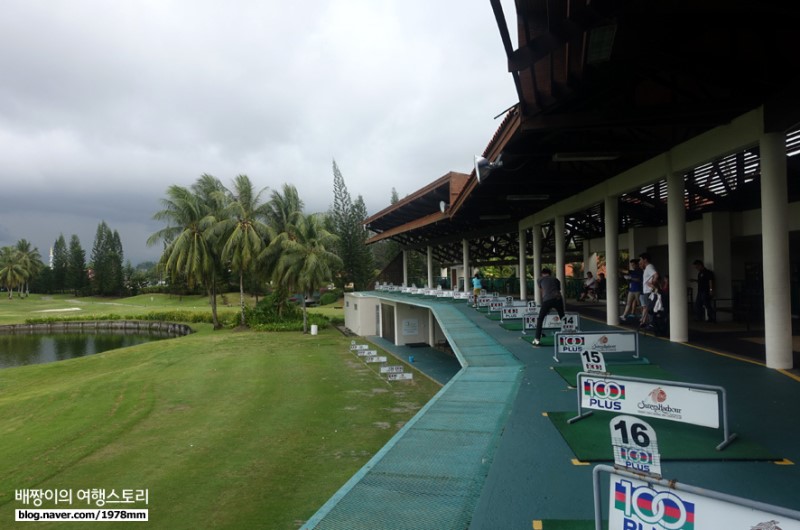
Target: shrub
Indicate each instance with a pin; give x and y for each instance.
(271, 310)
(330, 296)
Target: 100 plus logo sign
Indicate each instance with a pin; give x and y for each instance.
(603, 394)
(571, 343)
(643, 508)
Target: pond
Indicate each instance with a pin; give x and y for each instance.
(19, 349)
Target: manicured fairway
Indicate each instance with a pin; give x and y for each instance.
(225, 429)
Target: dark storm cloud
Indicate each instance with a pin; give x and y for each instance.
(103, 105)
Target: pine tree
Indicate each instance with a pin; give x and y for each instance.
(107, 260)
(347, 220)
(99, 260)
(364, 264)
(116, 260)
(60, 259)
(76, 279)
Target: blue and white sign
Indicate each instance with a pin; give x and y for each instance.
(639, 505)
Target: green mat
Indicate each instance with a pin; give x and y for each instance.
(641, 369)
(590, 440)
(546, 340)
(494, 316)
(512, 325)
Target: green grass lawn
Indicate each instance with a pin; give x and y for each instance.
(226, 429)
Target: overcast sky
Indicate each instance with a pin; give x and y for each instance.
(103, 105)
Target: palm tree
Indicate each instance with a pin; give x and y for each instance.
(243, 230)
(305, 263)
(211, 192)
(283, 210)
(31, 261)
(189, 238)
(12, 273)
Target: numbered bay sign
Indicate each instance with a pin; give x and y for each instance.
(635, 445)
(394, 369)
(355, 347)
(375, 359)
(399, 376)
(570, 323)
(366, 353)
(593, 362)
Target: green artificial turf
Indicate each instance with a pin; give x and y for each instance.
(648, 371)
(590, 440)
(546, 341)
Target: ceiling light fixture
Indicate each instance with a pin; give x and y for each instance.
(483, 167)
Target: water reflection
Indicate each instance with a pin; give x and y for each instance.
(17, 349)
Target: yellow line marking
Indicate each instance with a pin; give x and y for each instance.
(787, 373)
(537, 525)
(784, 462)
(576, 462)
(721, 354)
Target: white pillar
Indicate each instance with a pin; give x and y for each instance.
(775, 243)
(523, 281)
(430, 267)
(612, 260)
(405, 268)
(560, 232)
(676, 237)
(465, 256)
(537, 262)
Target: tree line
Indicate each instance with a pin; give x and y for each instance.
(22, 268)
(215, 235)
(211, 229)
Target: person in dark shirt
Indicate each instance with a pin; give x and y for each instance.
(551, 299)
(705, 292)
(634, 278)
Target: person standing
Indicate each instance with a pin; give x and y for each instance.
(551, 299)
(634, 278)
(649, 283)
(705, 292)
(476, 288)
(589, 285)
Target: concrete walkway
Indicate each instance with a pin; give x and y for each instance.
(432, 471)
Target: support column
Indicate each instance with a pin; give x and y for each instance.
(676, 236)
(405, 268)
(717, 255)
(537, 262)
(775, 244)
(523, 281)
(430, 267)
(587, 256)
(612, 260)
(465, 255)
(560, 229)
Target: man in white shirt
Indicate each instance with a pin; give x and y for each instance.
(649, 279)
